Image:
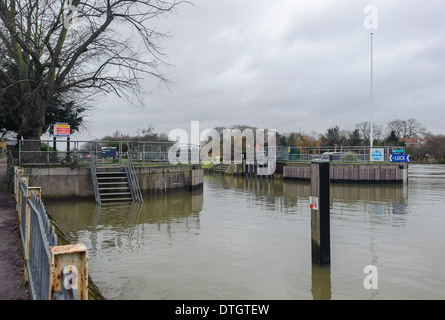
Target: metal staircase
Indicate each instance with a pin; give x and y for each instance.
(219, 168)
(112, 184)
(115, 183)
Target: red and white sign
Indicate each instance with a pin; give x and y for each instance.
(61, 130)
(313, 201)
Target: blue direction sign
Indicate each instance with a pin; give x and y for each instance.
(109, 152)
(399, 158)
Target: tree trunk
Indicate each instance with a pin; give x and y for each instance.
(32, 121)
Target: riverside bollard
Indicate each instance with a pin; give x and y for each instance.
(320, 211)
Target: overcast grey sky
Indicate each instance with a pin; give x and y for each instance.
(291, 65)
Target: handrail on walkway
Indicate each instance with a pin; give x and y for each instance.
(62, 152)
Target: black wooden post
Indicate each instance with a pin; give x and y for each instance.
(321, 282)
(68, 156)
(54, 143)
(320, 211)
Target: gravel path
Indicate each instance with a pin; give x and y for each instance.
(12, 280)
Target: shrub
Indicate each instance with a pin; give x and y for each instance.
(350, 157)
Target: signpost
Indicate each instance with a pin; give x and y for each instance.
(399, 158)
(61, 130)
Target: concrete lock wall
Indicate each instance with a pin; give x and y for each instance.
(165, 178)
(77, 182)
(376, 173)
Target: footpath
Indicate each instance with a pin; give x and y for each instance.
(12, 278)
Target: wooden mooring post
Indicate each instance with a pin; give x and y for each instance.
(320, 213)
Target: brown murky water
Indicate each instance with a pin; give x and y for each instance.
(247, 238)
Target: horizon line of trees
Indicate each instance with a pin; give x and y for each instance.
(391, 134)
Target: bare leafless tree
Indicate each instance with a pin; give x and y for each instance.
(409, 128)
(79, 47)
(435, 147)
(365, 132)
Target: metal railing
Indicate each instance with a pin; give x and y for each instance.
(94, 178)
(147, 153)
(45, 260)
(342, 154)
(67, 152)
(41, 237)
(133, 179)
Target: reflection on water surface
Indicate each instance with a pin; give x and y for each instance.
(249, 238)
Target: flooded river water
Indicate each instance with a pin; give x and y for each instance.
(249, 238)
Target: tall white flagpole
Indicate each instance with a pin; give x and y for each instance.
(371, 135)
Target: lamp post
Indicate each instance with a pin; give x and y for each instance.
(371, 134)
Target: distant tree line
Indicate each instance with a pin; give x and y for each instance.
(147, 134)
(433, 150)
(391, 134)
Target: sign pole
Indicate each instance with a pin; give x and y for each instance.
(371, 138)
(320, 213)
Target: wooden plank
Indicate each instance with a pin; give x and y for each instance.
(371, 174)
(366, 174)
(356, 174)
(361, 174)
(398, 174)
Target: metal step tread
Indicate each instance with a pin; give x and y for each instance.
(112, 183)
(103, 166)
(114, 188)
(109, 172)
(117, 199)
(114, 193)
(108, 178)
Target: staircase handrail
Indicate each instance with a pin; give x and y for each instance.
(94, 178)
(133, 181)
